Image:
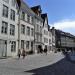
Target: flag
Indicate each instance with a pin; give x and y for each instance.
(19, 3)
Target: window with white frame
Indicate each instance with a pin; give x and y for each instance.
(28, 18)
(50, 33)
(37, 27)
(49, 41)
(12, 29)
(45, 32)
(28, 31)
(32, 20)
(40, 29)
(23, 16)
(13, 46)
(5, 11)
(37, 20)
(4, 28)
(32, 32)
(22, 44)
(12, 15)
(37, 38)
(45, 40)
(27, 45)
(23, 29)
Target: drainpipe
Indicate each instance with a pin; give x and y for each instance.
(19, 30)
(34, 32)
(19, 8)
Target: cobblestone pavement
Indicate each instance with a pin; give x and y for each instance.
(38, 64)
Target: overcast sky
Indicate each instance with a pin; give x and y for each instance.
(61, 13)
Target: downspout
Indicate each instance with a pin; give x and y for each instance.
(19, 8)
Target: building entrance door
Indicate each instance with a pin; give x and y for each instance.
(3, 48)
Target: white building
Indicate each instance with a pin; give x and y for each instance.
(50, 39)
(26, 28)
(8, 28)
(38, 27)
(45, 33)
(53, 39)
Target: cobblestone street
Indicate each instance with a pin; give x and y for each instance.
(38, 64)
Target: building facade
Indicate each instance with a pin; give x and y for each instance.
(50, 38)
(53, 39)
(38, 27)
(64, 41)
(26, 28)
(8, 28)
(45, 31)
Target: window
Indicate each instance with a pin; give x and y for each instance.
(31, 45)
(23, 29)
(37, 20)
(40, 29)
(5, 11)
(13, 2)
(13, 46)
(32, 20)
(22, 44)
(37, 38)
(49, 41)
(41, 23)
(23, 16)
(32, 32)
(28, 30)
(7, 1)
(27, 45)
(45, 40)
(37, 27)
(28, 18)
(12, 15)
(50, 33)
(4, 28)
(45, 32)
(12, 29)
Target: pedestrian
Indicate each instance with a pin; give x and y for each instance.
(45, 50)
(23, 53)
(19, 54)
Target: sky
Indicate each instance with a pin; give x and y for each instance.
(61, 13)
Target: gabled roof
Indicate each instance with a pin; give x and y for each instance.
(44, 16)
(26, 8)
(36, 7)
(34, 10)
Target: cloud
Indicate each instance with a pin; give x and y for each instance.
(65, 25)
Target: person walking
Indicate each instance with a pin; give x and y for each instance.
(23, 53)
(45, 50)
(19, 54)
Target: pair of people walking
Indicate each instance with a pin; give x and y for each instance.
(23, 53)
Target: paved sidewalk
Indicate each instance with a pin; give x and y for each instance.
(13, 66)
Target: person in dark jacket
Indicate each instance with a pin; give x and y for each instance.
(23, 53)
(19, 53)
(45, 50)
